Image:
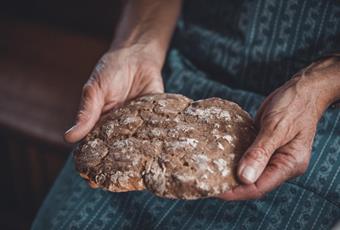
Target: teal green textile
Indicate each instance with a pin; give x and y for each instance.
(238, 50)
(311, 201)
(257, 45)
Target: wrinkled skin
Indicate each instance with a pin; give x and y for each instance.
(132, 66)
(287, 121)
(119, 76)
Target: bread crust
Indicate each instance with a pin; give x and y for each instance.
(166, 143)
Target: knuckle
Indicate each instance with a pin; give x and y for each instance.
(292, 165)
(271, 119)
(301, 163)
(258, 154)
(82, 116)
(284, 164)
(89, 89)
(259, 193)
(289, 164)
(282, 125)
(91, 97)
(301, 168)
(276, 124)
(267, 146)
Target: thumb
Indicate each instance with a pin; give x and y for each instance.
(256, 158)
(92, 102)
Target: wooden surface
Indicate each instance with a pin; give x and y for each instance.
(42, 71)
(47, 52)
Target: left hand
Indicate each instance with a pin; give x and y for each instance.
(287, 122)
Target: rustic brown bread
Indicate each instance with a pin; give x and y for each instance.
(168, 144)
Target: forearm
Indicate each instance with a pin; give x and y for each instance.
(336, 80)
(323, 80)
(148, 22)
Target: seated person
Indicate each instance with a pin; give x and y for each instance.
(260, 54)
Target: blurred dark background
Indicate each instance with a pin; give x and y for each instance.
(47, 51)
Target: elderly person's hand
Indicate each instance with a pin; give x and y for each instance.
(287, 122)
(120, 75)
(132, 66)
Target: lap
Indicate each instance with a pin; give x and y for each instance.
(309, 201)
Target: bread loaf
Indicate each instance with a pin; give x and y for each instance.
(168, 144)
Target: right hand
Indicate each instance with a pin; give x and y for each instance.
(120, 75)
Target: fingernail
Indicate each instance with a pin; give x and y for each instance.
(249, 173)
(69, 130)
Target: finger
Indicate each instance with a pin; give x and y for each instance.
(242, 192)
(279, 169)
(282, 167)
(270, 179)
(288, 161)
(91, 106)
(258, 154)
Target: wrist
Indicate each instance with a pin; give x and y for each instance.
(322, 81)
(150, 46)
(148, 24)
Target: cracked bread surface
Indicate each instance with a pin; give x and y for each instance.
(168, 144)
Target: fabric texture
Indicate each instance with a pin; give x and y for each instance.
(311, 201)
(257, 45)
(241, 51)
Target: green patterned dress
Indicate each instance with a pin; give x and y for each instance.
(240, 50)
